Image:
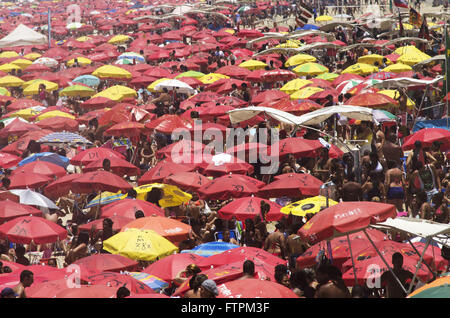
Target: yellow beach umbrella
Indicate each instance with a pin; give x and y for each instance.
(310, 68)
(372, 58)
(360, 69)
(110, 71)
(11, 81)
(55, 113)
(22, 63)
(327, 76)
(305, 92)
(32, 87)
(397, 68)
(231, 31)
(119, 39)
(83, 39)
(294, 85)
(307, 206)
(407, 49)
(26, 113)
(81, 61)
(290, 44)
(413, 58)
(142, 245)
(77, 91)
(211, 78)
(32, 56)
(4, 92)
(394, 94)
(172, 196)
(324, 18)
(299, 59)
(151, 87)
(253, 65)
(8, 54)
(8, 67)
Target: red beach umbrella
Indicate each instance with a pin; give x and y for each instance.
(292, 185)
(42, 167)
(118, 223)
(116, 280)
(8, 160)
(22, 180)
(88, 291)
(27, 229)
(99, 181)
(187, 181)
(298, 147)
(59, 124)
(168, 123)
(168, 267)
(345, 217)
(427, 136)
(93, 154)
(128, 207)
(119, 166)
(127, 129)
(106, 262)
(248, 208)
(254, 288)
(269, 96)
(60, 186)
(10, 210)
(230, 186)
(162, 170)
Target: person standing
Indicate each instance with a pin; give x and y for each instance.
(26, 280)
(392, 287)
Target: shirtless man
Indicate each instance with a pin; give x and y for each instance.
(275, 242)
(248, 268)
(330, 282)
(391, 150)
(392, 287)
(26, 280)
(295, 246)
(351, 191)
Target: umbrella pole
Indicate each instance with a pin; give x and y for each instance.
(98, 205)
(386, 263)
(419, 264)
(415, 249)
(353, 261)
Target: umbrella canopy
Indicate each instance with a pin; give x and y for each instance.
(292, 185)
(299, 59)
(311, 205)
(172, 195)
(360, 69)
(88, 291)
(230, 186)
(210, 249)
(345, 217)
(110, 71)
(116, 280)
(119, 166)
(106, 263)
(168, 123)
(128, 207)
(27, 229)
(175, 85)
(42, 167)
(188, 181)
(156, 284)
(23, 179)
(162, 170)
(58, 124)
(137, 244)
(173, 230)
(371, 100)
(427, 136)
(118, 223)
(93, 154)
(77, 91)
(249, 208)
(99, 181)
(29, 197)
(50, 157)
(254, 288)
(169, 267)
(64, 138)
(298, 147)
(310, 68)
(436, 289)
(10, 210)
(8, 160)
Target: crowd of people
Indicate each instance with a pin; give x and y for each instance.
(416, 182)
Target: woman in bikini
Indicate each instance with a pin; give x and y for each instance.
(395, 185)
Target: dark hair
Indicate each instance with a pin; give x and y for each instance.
(123, 292)
(196, 281)
(279, 276)
(83, 237)
(20, 250)
(25, 274)
(139, 214)
(359, 291)
(6, 182)
(248, 267)
(132, 193)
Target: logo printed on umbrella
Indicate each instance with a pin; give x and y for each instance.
(348, 214)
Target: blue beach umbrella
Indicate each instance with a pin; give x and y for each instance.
(89, 80)
(65, 138)
(211, 248)
(47, 156)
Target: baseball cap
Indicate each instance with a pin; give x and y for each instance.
(210, 286)
(8, 292)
